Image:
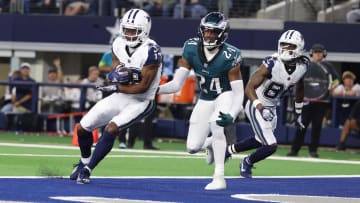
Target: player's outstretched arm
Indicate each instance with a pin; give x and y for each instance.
(148, 73)
(179, 78)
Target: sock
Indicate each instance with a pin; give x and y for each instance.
(85, 160)
(261, 153)
(85, 140)
(244, 145)
(103, 147)
(219, 147)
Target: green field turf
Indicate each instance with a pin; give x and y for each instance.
(171, 160)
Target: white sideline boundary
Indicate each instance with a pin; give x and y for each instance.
(304, 159)
(183, 177)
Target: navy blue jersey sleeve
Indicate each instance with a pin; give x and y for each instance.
(154, 55)
(269, 62)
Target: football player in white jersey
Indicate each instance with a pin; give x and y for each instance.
(276, 74)
(136, 73)
(217, 67)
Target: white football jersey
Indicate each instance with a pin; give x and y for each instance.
(279, 80)
(147, 53)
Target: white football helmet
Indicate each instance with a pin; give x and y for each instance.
(292, 37)
(138, 21)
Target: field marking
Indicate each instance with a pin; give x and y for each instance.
(185, 177)
(91, 199)
(303, 159)
(295, 198)
(108, 156)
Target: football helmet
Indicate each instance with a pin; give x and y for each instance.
(216, 22)
(291, 45)
(135, 27)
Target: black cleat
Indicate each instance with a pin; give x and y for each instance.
(314, 154)
(77, 167)
(84, 176)
(292, 153)
(227, 155)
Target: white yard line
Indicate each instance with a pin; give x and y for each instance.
(183, 177)
(304, 159)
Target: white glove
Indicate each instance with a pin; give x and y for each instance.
(109, 88)
(267, 114)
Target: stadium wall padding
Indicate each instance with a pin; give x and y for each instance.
(169, 32)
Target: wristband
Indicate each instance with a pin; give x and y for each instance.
(256, 102)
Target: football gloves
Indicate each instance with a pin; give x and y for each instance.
(125, 76)
(267, 114)
(225, 119)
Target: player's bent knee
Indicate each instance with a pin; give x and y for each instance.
(82, 132)
(192, 150)
(112, 128)
(272, 148)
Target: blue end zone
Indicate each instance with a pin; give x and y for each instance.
(174, 190)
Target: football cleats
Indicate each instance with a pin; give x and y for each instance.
(215, 22)
(291, 45)
(135, 27)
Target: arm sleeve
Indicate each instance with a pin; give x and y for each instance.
(237, 87)
(174, 85)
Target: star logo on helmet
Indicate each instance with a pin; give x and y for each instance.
(148, 18)
(114, 31)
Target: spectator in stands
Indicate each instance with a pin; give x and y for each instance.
(352, 123)
(109, 7)
(105, 64)
(314, 108)
(7, 105)
(23, 93)
(353, 16)
(160, 7)
(347, 88)
(76, 7)
(192, 9)
(93, 78)
(72, 95)
(52, 96)
(43, 6)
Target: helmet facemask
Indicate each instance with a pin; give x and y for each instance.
(132, 35)
(215, 23)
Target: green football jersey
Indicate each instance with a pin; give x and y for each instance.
(212, 76)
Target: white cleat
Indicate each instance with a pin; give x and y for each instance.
(218, 183)
(209, 155)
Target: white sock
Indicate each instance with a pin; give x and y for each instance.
(86, 161)
(231, 149)
(219, 147)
